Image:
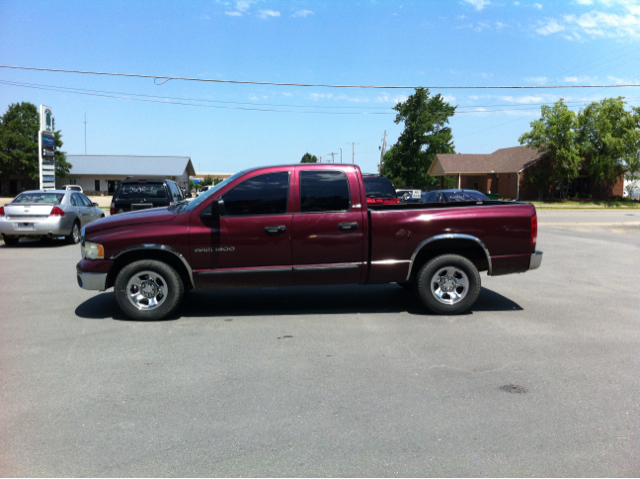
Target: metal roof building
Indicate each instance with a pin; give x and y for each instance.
(100, 174)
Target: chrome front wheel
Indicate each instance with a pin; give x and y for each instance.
(147, 290)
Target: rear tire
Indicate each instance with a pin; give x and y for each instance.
(148, 290)
(11, 240)
(448, 284)
(74, 237)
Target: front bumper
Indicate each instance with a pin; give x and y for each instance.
(92, 281)
(92, 275)
(536, 259)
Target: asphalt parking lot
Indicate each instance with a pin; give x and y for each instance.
(540, 378)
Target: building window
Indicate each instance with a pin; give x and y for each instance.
(97, 185)
(72, 181)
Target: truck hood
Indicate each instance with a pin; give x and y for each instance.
(142, 217)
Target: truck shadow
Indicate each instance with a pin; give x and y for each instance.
(296, 300)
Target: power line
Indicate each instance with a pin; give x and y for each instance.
(387, 87)
(194, 104)
(110, 94)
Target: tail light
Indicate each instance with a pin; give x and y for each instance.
(112, 210)
(397, 200)
(1, 210)
(172, 203)
(534, 229)
(56, 212)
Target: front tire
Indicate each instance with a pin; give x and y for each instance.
(148, 290)
(448, 284)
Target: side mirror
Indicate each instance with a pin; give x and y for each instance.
(95, 204)
(213, 212)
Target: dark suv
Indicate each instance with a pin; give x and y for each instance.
(143, 193)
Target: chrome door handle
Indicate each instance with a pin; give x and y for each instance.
(348, 226)
(275, 229)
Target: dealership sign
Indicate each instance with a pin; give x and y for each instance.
(46, 149)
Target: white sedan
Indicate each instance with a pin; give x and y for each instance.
(47, 214)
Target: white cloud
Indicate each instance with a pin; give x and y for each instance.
(622, 20)
(268, 13)
(552, 26)
(449, 98)
(479, 4)
(303, 13)
(582, 79)
(539, 80)
(538, 6)
(244, 5)
(522, 99)
(233, 14)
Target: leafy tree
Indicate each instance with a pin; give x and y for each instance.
(210, 181)
(309, 158)
(554, 134)
(19, 128)
(609, 138)
(425, 135)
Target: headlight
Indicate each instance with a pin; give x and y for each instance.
(92, 250)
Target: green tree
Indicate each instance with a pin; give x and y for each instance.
(609, 138)
(425, 135)
(19, 128)
(554, 134)
(309, 158)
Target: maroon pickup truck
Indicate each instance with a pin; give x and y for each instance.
(304, 224)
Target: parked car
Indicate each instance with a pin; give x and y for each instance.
(72, 188)
(449, 196)
(204, 189)
(47, 214)
(143, 193)
(406, 195)
(304, 224)
(379, 190)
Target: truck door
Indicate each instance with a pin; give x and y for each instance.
(328, 229)
(251, 244)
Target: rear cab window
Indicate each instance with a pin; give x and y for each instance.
(38, 198)
(146, 190)
(379, 187)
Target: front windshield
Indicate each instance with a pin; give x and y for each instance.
(211, 192)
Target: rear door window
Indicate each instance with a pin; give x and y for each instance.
(324, 191)
(261, 195)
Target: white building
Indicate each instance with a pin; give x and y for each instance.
(100, 174)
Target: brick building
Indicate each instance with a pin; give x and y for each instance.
(502, 172)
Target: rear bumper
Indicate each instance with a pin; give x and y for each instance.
(52, 226)
(536, 259)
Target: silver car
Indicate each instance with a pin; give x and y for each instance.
(47, 214)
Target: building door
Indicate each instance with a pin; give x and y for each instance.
(111, 186)
(13, 187)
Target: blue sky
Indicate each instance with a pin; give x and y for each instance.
(388, 43)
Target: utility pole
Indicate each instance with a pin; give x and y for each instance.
(85, 133)
(340, 155)
(332, 157)
(353, 151)
(384, 146)
(320, 159)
